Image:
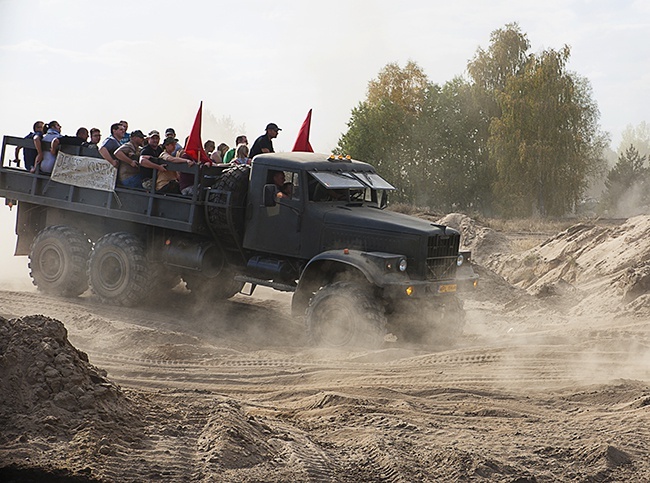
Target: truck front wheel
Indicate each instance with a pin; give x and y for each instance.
(57, 261)
(345, 314)
(118, 269)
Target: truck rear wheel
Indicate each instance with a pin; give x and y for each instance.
(57, 261)
(345, 314)
(118, 269)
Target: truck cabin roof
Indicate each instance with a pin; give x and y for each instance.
(310, 162)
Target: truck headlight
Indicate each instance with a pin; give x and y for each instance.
(460, 260)
(403, 265)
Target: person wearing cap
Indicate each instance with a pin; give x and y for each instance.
(170, 133)
(128, 173)
(150, 152)
(167, 181)
(264, 143)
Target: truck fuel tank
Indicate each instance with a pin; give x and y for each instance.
(269, 269)
(205, 257)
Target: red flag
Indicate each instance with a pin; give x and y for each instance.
(194, 147)
(302, 141)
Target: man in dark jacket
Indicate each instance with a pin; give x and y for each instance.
(30, 153)
(264, 143)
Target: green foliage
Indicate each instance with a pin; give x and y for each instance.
(422, 137)
(521, 137)
(405, 88)
(380, 129)
(451, 148)
(546, 141)
(379, 133)
(505, 58)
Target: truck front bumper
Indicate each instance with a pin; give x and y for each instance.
(427, 289)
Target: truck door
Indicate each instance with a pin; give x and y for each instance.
(277, 229)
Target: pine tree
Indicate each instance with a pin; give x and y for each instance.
(627, 179)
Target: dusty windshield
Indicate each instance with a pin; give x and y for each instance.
(349, 187)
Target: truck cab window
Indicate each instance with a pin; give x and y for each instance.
(287, 183)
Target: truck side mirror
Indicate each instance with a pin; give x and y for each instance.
(270, 195)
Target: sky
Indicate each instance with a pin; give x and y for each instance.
(92, 63)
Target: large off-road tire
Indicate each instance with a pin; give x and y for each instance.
(118, 270)
(226, 214)
(437, 322)
(345, 314)
(57, 261)
(221, 287)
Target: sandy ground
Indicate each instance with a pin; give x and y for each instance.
(550, 382)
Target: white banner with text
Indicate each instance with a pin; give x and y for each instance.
(84, 172)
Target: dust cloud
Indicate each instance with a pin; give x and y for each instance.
(632, 203)
(548, 382)
(582, 294)
(14, 273)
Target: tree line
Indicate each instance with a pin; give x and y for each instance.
(518, 136)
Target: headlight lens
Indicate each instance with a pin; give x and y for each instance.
(402, 265)
(460, 260)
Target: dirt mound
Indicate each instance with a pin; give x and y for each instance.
(49, 390)
(481, 240)
(485, 244)
(591, 267)
(40, 371)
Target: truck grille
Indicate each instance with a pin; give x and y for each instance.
(442, 252)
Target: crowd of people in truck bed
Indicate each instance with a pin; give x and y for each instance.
(136, 155)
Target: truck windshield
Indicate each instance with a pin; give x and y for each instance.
(348, 187)
(373, 180)
(344, 180)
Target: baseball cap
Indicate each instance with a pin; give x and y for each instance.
(154, 133)
(169, 141)
(170, 130)
(273, 126)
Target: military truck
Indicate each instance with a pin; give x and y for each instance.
(357, 270)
